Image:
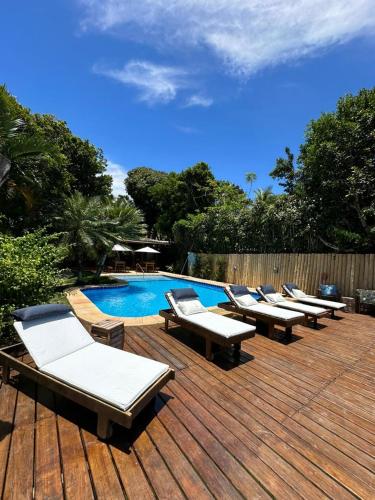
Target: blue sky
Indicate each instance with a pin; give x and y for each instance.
(229, 82)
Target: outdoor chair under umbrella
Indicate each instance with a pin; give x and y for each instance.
(119, 264)
(148, 250)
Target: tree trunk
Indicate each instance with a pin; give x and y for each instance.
(100, 266)
(4, 169)
(80, 267)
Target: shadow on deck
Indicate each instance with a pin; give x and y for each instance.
(289, 419)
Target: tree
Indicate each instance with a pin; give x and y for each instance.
(250, 178)
(337, 174)
(14, 142)
(285, 172)
(138, 184)
(91, 226)
(177, 195)
(48, 163)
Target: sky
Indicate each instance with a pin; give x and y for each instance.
(167, 84)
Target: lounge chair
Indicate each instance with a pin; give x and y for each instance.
(115, 384)
(293, 291)
(270, 295)
(242, 302)
(186, 310)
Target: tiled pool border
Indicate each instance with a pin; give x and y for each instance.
(88, 313)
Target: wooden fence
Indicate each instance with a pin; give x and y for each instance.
(348, 271)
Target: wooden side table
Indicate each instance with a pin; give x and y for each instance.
(350, 304)
(110, 332)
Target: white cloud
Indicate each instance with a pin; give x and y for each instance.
(248, 35)
(155, 83)
(118, 174)
(198, 100)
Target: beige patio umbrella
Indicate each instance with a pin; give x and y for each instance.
(147, 250)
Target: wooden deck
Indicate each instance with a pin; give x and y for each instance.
(291, 420)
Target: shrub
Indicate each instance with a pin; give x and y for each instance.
(29, 274)
(220, 269)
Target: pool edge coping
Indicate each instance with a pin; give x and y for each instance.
(88, 313)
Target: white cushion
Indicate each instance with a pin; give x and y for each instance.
(298, 293)
(275, 297)
(53, 337)
(115, 376)
(245, 300)
(192, 306)
(304, 308)
(324, 303)
(221, 325)
(275, 312)
(218, 324)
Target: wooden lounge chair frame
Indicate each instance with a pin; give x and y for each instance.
(106, 412)
(308, 315)
(262, 320)
(209, 336)
(290, 295)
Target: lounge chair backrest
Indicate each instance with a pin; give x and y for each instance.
(175, 304)
(53, 337)
(269, 294)
(264, 290)
(288, 288)
(235, 294)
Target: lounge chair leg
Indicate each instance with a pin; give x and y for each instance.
(166, 324)
(104, 427)
(271, 330)
(237, 349)
(316, 323)
(288, 331)
(6, 374)
(209, 353)
(332, 313)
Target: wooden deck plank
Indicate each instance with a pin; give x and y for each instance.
(186, 476)
(77, 482)
(105, 480)
(157, 471)
(8, 397)
(131, 473)
(276, 437)
(289, 420)
(213, 447)
(48, 473)
(20, 471)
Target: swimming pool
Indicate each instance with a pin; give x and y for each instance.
(145, 296)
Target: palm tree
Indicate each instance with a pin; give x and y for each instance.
(14, 142)
(91, 226)
(250, 178)
(264, 196)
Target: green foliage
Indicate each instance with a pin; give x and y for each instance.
(329, 200)
(211, 267)
(47, 163)
(91, 226)
(173, 197)
(337, 174)
(138, 183)
(285, 172)
(29, 273)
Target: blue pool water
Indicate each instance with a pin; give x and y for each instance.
(145, 296)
